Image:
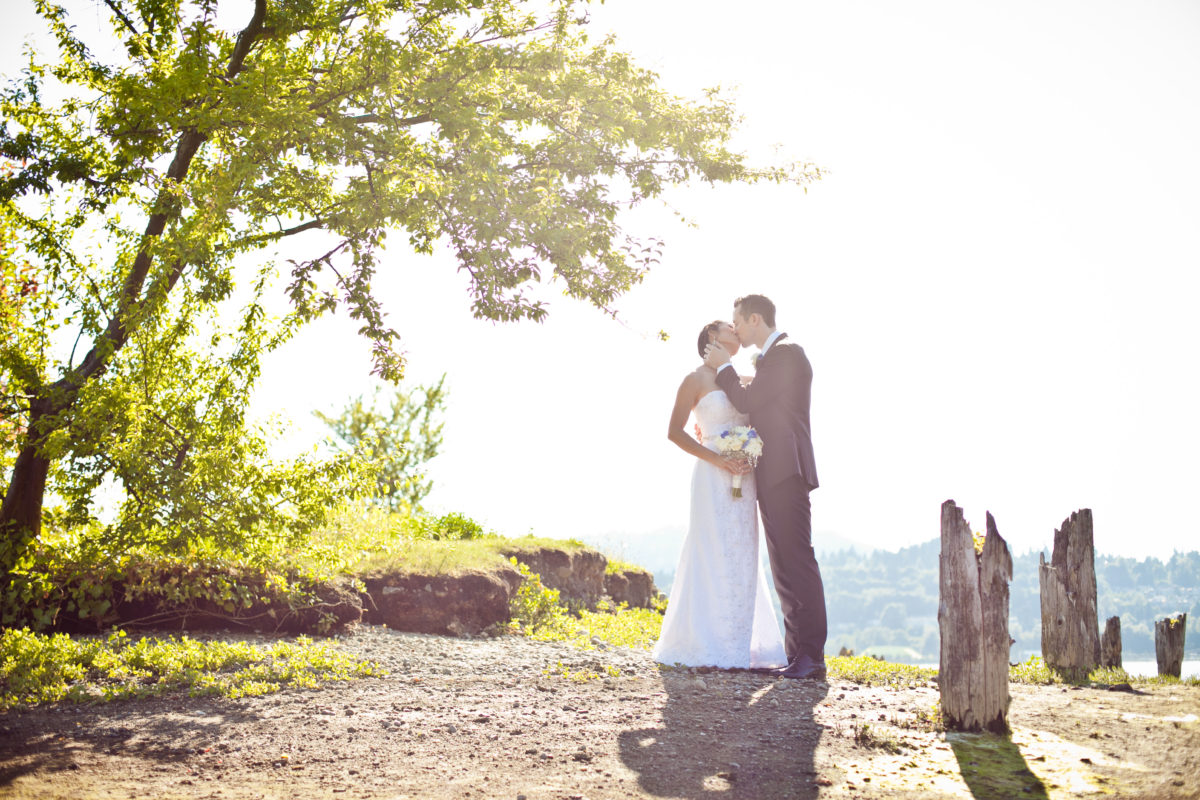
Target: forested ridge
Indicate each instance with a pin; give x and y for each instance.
(887, 601)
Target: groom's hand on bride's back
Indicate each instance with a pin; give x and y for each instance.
(715, 355)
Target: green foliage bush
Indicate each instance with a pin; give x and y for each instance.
(452, 526)
(536, 612)
(623, 626)
(36, 668)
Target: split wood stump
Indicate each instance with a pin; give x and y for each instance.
(1168, 644)
(973, 623)
(1110, 643)
(1070, 628)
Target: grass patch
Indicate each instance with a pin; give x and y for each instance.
(877, 739)
(873, 672)
(616, 565)
(371, 541)
(1036, 673)
(36, 668)
(581, 675)
(453, 557)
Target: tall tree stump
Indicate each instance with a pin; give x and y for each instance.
(1168, 644)
(1110, 644)
(1070, 627)
(973, 623)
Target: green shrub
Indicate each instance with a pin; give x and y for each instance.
(623, 626)
(538, 613)
(453, 526)
(535, 611)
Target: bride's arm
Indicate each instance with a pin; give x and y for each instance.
(685, 401)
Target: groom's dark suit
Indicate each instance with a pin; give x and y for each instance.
(778, 403)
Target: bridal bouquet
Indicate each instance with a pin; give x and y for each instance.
(741, 442)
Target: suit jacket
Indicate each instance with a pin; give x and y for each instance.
(777, 402)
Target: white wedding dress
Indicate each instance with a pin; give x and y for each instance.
(720, 612)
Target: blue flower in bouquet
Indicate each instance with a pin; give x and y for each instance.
(744, 443)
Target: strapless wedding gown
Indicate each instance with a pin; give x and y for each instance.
(720, 612)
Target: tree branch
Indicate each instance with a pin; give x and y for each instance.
(406, 122)
(165, 208)
(282, 233)
(121, 16)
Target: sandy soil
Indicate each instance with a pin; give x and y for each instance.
(498, 718)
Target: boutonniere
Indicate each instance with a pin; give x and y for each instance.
(757, 358)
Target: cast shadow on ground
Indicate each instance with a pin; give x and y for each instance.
(993, 768)
(51, 737)
(753, 738)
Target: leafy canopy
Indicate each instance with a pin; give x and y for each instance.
(144, 196)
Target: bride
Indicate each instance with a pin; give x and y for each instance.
(719, 614)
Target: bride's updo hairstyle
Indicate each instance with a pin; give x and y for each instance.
(705, 332)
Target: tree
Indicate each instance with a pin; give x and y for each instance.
(395, 443)
(893, 616)
(143, 192)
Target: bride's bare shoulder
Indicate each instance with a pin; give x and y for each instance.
(702, 376)
(697, 382)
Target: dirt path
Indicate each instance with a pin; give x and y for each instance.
(497, 718)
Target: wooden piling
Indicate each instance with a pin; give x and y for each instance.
(1070, 631)
(973, 623)
(1110, 644)
(1169, 636)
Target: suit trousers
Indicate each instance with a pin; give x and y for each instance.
(787, 520)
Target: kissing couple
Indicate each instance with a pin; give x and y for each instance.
(720, 612)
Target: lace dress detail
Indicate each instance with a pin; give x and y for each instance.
(720, 612)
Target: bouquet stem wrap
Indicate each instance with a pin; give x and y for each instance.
(744, 444)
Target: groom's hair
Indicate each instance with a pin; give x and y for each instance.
(705, 332)
(756, 304)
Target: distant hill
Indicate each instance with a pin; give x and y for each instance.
(886, 601)
(658, 551)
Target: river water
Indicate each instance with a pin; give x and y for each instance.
(1190, 668)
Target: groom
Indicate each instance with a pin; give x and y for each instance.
(777, 402)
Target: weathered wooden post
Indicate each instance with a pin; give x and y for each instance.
(1168, 644)
(1070, 627)
(1110, 644)
(973, 623)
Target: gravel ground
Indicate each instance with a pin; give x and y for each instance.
(498, 718)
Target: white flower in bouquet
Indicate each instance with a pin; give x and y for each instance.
(741, 442)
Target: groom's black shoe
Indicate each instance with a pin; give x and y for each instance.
(804, 667)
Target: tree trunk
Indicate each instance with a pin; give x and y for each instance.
(1110, 644)
(21, 512)
(1070, 626)
(1168, 644)
(973, 622)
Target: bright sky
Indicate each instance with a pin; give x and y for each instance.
(995, 283)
